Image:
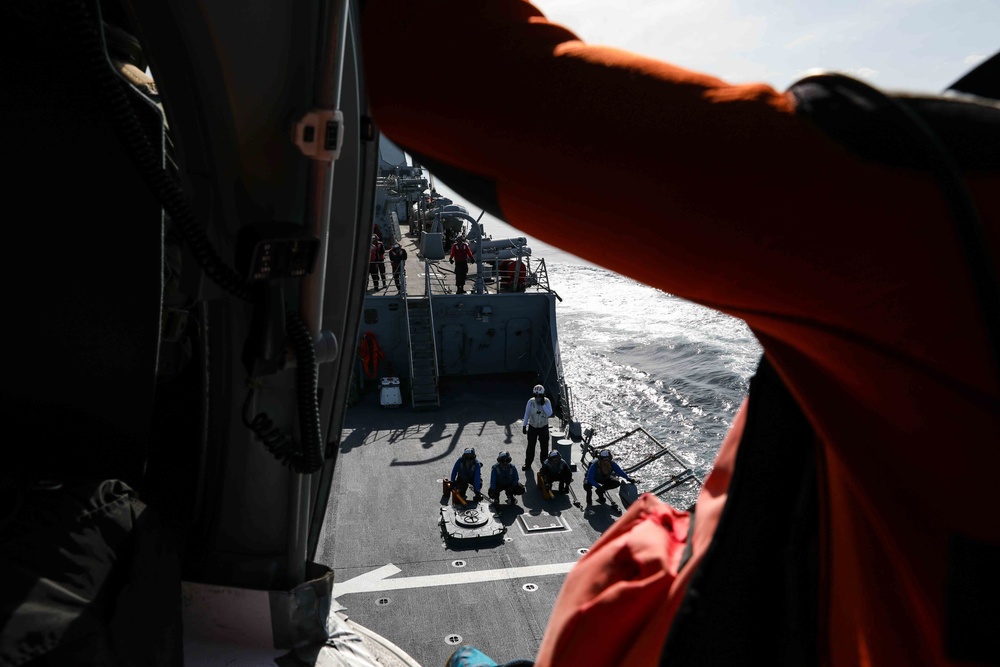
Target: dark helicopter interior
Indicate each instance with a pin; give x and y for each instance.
(189, 268)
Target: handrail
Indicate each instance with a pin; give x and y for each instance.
(406, 316)
(588, 450)
(430, 312)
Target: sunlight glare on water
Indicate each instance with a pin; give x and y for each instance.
(636, 356)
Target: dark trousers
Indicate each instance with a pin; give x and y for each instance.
(395, 274)
(461, 270)
(603, 487)
(377, 270)
(535, 434)
(505, 488)
(462, 486)
(564, 476)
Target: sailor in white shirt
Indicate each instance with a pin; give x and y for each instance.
(536, 424)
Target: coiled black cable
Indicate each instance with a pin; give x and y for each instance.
(276, 441)
(89, 26)
(308, 457)
(307, 385)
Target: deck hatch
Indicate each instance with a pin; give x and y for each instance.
(542, 522)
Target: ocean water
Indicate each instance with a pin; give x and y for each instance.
(636, 356)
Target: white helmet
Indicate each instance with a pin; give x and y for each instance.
(539, 389)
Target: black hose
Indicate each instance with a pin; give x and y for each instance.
(276, 441)
(148, 161)
(307, 384)
(309, 458)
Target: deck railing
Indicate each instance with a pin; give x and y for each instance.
(641, 455)
(430, 310)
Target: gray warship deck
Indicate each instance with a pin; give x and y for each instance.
(396, 572)
(417, 274)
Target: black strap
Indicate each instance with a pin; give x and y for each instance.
(943, 136)
(754, 596)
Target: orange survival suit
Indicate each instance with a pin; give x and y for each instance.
(879, 371)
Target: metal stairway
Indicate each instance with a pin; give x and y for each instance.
(423, 354)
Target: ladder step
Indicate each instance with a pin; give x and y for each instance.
(423, 370)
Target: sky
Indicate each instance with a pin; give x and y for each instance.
(895, 44)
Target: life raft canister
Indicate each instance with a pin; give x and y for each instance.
(507, 270)
(371, 354)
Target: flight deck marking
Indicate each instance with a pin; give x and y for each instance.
(376, 580)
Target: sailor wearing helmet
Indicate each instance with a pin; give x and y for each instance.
(504, 477)
(604, 474)
(396, 258)
(536, 424)
(461, 255)
(555, 469)
(467, 472)
(376, 267)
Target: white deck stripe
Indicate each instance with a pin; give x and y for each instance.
(375, 580)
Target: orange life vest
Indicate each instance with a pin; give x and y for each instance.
(371, 354)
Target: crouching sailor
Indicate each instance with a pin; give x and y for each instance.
(555, 469)
(604, 474)
(505, 478)
(466, 472)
